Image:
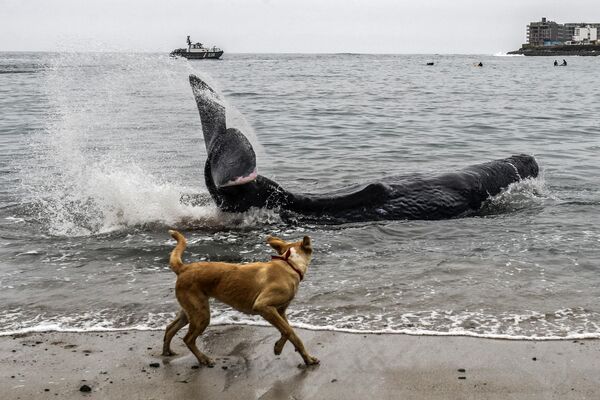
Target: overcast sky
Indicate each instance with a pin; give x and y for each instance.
(295, 26)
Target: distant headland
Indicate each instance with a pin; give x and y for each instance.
(549, 38)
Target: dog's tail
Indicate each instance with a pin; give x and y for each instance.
(175, 259)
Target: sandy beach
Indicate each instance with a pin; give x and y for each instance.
(128, 365)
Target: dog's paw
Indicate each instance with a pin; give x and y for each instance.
(168, 353)
(312, 361)
(309, 363)
(208, 362)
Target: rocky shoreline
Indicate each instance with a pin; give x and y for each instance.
(559, 51)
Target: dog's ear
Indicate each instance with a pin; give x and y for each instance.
(279, 245)
(307, 244)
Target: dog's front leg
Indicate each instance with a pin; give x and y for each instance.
(271, 314)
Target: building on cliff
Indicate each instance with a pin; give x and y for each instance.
(544, 31)
(551, 33)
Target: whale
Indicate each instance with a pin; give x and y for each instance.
(231, 177)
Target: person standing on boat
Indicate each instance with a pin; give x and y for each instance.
(189, 42)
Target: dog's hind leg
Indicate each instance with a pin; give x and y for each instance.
(282, 340)
(271, 314)
(198, 313)
(180, 321)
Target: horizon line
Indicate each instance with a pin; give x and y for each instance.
(248, 52)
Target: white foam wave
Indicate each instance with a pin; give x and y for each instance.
(524, 194)
(50, 327)
(499, 327)
(503, 54)
(14, 220)
(43, 328)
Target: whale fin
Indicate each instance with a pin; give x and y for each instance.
(211, 109)
(231, 159)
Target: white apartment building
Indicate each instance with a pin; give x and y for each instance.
(585, 34)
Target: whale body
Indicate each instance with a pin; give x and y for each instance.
(233, 182)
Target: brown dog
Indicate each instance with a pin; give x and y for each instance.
(263, 288)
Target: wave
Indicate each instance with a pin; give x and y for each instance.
(527, 194)
(503, 54)
(43, 328)
(564, 324)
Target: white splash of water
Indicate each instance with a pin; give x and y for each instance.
(503, 54)
(111, 155)
(526, 193)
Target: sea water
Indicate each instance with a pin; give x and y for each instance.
(99, 148)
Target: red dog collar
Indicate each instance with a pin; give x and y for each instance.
(285, 257)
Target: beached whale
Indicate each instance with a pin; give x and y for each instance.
(233, 183)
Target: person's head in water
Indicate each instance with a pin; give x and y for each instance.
(555, 63)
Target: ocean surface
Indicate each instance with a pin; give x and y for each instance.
(98, 150)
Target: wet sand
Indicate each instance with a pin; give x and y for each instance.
(128, 365)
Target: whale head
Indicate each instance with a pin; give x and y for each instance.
(231, 159)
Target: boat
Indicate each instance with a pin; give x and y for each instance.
(197, 51)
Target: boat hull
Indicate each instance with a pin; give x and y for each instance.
(214, 55)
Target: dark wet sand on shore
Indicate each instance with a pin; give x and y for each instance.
(128, 365)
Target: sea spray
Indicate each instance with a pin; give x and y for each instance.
(95, 169)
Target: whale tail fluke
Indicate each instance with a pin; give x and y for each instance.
(231, 159)
(199, 84)
(211, 109)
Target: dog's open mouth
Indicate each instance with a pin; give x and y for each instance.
(241, 179)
